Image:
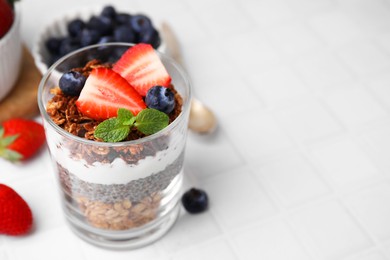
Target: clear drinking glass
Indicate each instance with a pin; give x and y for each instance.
(117, 195)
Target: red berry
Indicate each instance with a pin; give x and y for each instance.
(16, 217)
(142, 68)
(6, 17)
(20, 139)
(104, 92)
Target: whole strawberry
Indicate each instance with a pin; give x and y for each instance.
(6, 16)
(20, 139)
(15, 214)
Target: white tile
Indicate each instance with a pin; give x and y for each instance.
(262, 136)
(386, 247)
(234, 209)
(293, 179)
(201, 61)
(269, 12)
(186, 28)
(218, 249)
(46, 215)
(251, 52)
(369, 256)
(372, 207)
(176, 6)
(335, 28)
(307, 121)
(271, 241)
(197, 6)
(370, 15)
(3, 255)
(378, 145)
(364, 58)
(330, 230)
(343, 162)
(41, 164)
(188, 231)
(294, 38)
(379, 86)
(218, 21)
(322, 70)
(355, 106)
(208, 155)
(278, 86)
(58, 243)
(310, 7)
(383, 39)
(92, 252)
(230, 96)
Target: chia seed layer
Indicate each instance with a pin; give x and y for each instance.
(134, 190)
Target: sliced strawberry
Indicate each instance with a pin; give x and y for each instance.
(104, 92)
(142, 68)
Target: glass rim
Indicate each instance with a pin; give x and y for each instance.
(61, 131)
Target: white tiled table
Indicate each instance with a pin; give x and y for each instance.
(300, 166)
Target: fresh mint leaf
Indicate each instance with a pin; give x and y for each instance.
(112, 130)
(126, 117)
(150, 121)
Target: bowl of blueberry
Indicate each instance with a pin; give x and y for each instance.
(91, 26)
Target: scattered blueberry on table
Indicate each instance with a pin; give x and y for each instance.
(195, 200)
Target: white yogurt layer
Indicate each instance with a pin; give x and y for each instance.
(117, 172)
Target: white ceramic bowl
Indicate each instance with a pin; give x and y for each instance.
(10, 56)
(58, 27)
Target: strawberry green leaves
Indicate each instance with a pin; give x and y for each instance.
(4, 143)
(116, 129)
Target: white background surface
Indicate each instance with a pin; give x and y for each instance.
(299, 169)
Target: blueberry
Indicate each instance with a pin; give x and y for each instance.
(72, 82)
(53, 45)
(160, 98)
(93, 23)
(68, 45)
(53, 58)
(140, 23)
(108, 25)
(101, 24)
(106, 39)
(123, 18)
(75, 27)
(109, 11)
(195, 200)
(124, 33)
(89, 37)
(150, 36)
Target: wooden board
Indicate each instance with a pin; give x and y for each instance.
(22, 100)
